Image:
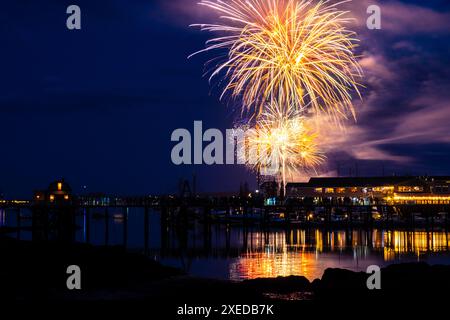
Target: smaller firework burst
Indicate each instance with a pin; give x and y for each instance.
(281, 144)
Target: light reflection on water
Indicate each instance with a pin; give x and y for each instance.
(294, 253)
(238, 253)
(2, 218)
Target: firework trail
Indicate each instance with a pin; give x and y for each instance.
(296, 52)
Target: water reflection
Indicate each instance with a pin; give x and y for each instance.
(2, 217)
(237, 253)
(309, 253)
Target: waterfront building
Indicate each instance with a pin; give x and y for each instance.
(373, 190)
(58, 192)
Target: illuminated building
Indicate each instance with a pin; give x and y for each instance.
(373, 190)
(57, 193)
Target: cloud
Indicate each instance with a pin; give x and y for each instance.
(400, 17)
(429, 123)
(368, 152)
(354, 141)
(376, 68)
(405, 45)
(184, 12)
(404, 18)
(407, 104)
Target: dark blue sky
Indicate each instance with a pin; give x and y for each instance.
(98, 106)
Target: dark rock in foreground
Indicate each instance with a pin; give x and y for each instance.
(37, 270)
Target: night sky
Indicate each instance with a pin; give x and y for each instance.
(97, 106)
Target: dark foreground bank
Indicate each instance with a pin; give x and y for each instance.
(33, 273)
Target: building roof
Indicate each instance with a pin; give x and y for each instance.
(366, 181)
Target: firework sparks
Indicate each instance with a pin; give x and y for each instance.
(296, 52)
(281, 144)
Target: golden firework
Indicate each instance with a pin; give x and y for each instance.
(296, 52)
(281, 144)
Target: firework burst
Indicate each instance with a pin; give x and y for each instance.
(282, 144)
(296, 52)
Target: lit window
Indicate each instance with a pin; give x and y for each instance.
(340, 190)
(354, 190)
(410, 189)
(59, 186)
(329, 190)
(319, 190)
